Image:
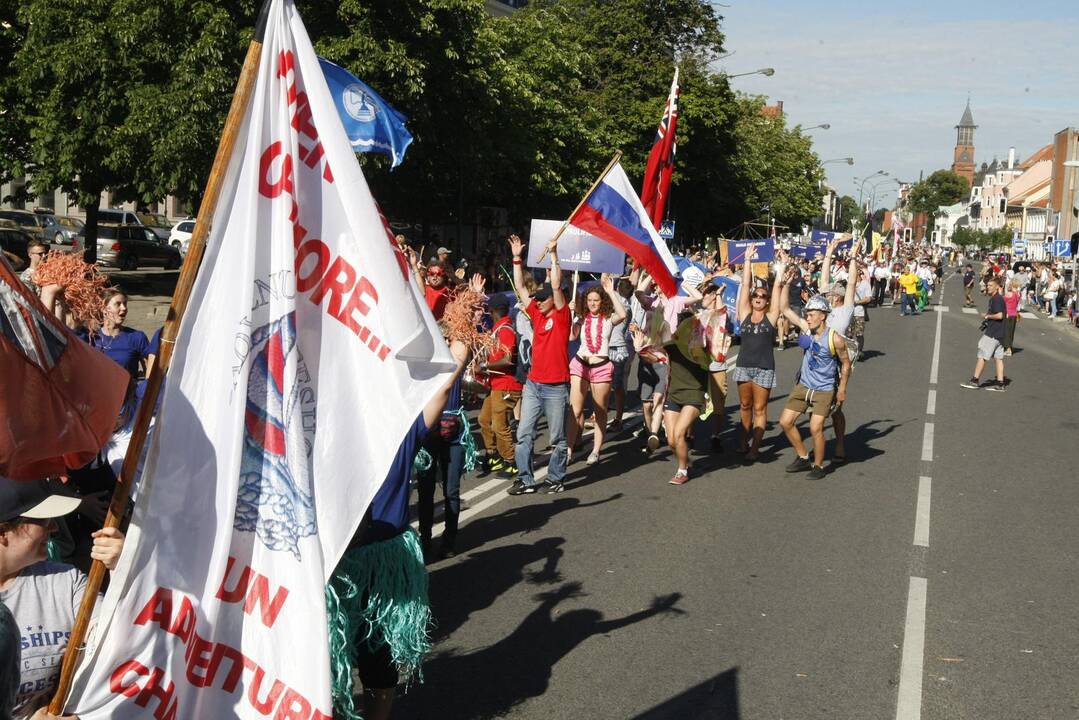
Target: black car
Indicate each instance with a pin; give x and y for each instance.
(15, 240)
(129, 246)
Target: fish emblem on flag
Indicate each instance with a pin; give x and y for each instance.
(275, 499)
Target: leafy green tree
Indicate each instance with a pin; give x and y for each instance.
(99, 85)
(848, 211)
(13, 131)
(943, 187)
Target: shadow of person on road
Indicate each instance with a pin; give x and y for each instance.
(503, 675)
(870, 354)
(859, 442)
(487, 574)
(713, 699)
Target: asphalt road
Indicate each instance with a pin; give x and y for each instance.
(934, 576)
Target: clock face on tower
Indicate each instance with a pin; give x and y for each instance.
(964, 156)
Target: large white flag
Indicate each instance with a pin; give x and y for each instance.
(303, 359)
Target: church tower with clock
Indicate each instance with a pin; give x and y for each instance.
(963, 165)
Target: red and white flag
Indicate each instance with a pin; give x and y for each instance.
(656, 185)
(303, 359)
(59, 397)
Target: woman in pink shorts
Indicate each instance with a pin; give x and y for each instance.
(598, 310)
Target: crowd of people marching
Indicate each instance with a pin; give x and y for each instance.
(559, 347)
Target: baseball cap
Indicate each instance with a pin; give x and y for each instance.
(499, 302)
(443, 250)
(544, 292)
(35, 499)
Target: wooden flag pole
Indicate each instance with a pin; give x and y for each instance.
(616, 158)
(180, 298)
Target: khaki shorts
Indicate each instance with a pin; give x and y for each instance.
(818, 402)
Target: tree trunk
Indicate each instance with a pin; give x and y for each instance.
(89, 253)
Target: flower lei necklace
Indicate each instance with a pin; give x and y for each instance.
(593, 347)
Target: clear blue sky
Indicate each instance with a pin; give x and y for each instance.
(892, 78)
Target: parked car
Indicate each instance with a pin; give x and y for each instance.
(62, 230)
(156, 222)
(33, 223)
(14, 241)
(181, 233)
(129, 246)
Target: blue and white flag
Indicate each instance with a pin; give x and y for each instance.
(371, 124)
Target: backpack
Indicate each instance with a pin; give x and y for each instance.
(852, 347)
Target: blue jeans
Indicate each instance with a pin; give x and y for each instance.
(549, 399)
(447, 464)
(904, 300)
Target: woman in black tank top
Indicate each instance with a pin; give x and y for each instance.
(755, 371)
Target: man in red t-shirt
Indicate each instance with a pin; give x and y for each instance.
(498, 406)
(547, 389)
(436, 290)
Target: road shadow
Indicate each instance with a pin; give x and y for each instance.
(533, 512)
(859, 442)
(870, 354)
(518, 667)
(713, 699)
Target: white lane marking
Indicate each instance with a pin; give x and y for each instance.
(909, 705)
(921, 518)
(940, 308)
(931, 403)
(1029, 316)
(936, 353)
(927, 443)
(970, 311)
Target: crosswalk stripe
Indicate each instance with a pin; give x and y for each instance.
(970, 311)
(1029, 316)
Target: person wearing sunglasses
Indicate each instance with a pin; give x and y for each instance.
(43, 596)
(432, 279)
(755, 370)
(38, 251)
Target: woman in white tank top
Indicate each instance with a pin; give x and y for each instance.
(598, 310)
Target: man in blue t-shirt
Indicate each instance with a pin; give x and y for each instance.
(386, 521)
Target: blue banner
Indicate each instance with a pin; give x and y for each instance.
(736, 250)
(577, 250)
(371, 124)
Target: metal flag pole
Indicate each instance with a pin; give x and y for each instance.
(616, 158)
(180, 298)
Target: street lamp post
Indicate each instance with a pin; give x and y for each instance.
(864, 181)
(822, 126)
(873, 190)
(1073, 165)
(767, 72)
(847, 160)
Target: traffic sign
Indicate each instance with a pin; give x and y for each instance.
(1019, 246)
(1062, 248)
(666, 230)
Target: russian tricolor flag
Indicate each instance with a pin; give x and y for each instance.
(614, 214)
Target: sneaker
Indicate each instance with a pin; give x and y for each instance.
(495, 465)
(972, 384)
(653, 442)
(680, 478)
(816, 472)
(615, 427)
(550, 488)
(799, 464)
(995, 386)
(508, 472)
(519, 487)
(592, 459)
(1007, 353)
